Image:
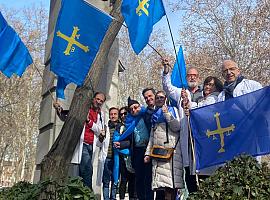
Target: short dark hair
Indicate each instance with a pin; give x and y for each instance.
(147, 89)
(217, 82)
(113, 108)
(96, 93)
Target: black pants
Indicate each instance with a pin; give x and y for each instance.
(191, 180)
(126, 178)
(143, 172)
(161, 193)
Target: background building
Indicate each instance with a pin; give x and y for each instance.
(50, 125)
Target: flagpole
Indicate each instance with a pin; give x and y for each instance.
(154, 50)
(147, 42)
(193, 151)
(45, 81)
(167, 19)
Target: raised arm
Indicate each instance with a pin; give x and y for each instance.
(172, 91)
(62, 114)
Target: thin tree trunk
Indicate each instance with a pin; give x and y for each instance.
(55, 163)
(2, 159)
(25, 143)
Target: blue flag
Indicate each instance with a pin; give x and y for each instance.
(224, 130)
(178, 76)
(79, 31)
(140, 17)
(14, 56)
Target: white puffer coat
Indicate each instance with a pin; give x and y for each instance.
(167, 174)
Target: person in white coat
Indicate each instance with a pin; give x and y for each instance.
(91, 137)
(235, 84)
(175, 93)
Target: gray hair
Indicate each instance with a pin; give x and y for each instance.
(192, 67)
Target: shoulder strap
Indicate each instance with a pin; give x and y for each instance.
(176, 142)
(167, 133)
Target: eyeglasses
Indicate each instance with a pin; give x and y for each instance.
(226, 71)
(124, 113)
(160, 97)
(192, 75)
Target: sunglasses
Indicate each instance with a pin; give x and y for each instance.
(160, 97)
(124, 113)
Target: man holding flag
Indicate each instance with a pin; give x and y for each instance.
(238, 125)
(189, 80)
(175, 93)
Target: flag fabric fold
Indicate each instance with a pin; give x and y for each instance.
(14, 56)
(226, 129)
(178, 76)
(79, 31)
(140, 16)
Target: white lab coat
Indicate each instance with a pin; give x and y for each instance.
(244, 87)
(98, 148)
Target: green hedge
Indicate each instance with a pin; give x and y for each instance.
(52, 190)
(240, 179)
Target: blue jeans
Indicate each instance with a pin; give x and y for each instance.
(107, 178)
(85, 167)
(143, 173)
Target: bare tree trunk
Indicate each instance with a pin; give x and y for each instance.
(2, 159)
(56, 162)
(25, 144)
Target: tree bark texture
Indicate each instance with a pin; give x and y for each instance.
(55, 164)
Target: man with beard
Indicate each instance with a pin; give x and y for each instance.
(93, 130)
(194, 88)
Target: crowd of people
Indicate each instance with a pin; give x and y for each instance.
(147, 149)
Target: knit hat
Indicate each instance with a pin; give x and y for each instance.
(131, 102)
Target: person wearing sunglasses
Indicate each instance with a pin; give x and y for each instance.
(137, 131)
(123, 114)
(127, 175)
(167, 176)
